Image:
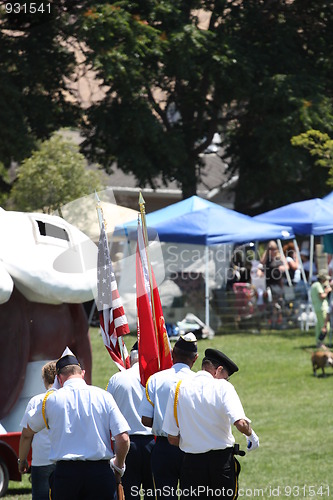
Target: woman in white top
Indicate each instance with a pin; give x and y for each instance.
(41, 465)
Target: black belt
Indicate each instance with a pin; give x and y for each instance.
(224, 452)
(161, 438)
(82, 463)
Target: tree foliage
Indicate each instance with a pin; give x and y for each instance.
(34, 64)
(54, 175)
(258, 72)
(284, 48)
(168, 81)
(175, 72)
(320, 147)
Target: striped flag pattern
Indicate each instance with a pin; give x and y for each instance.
(112, 318)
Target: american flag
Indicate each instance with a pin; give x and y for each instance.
(113, 322)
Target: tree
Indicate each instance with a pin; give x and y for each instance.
(257, 72)
(320, 147)
(54, 175)
(287, 88)
(175, 72)
(168, 81)
(35, 66)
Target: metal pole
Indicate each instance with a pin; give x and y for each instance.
(146, 244)
(207, 285)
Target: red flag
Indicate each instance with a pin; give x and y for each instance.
(154, 346)
(113, 322)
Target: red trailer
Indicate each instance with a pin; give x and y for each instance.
(9, 450)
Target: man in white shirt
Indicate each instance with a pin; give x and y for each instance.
(198, 419)
(126, 388)
(166, 459)
(80, 419)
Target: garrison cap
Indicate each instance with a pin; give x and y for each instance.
(67, 358)
(187, 342)
(219, 357)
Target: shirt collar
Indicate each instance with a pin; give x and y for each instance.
(74, 382)
(181, 366)
(204, 373)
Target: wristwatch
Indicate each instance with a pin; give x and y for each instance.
(19, 460)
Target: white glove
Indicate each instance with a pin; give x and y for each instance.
(252, 441)
(120, 470)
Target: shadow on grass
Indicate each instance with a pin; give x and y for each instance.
(325, 375)
(15, 492)
(283, 333)
(311, 348)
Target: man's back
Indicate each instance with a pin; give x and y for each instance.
(80, 417)
(206, 408)
(126, 389)
(158, 389)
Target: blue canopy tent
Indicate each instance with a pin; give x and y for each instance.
(198, 221)
(328, 238)
(201, 222)
(309, 217)
(329, 198)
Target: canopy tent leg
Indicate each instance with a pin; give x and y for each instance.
(311, 258)
(300, 261)
(207, 285)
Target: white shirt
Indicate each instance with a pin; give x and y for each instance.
(80, 418)
(158, 388)
(128, 392)
(41, 442)
(206, 409)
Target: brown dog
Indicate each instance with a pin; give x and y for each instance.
(321, 359)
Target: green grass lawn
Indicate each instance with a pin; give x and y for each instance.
(290, 409)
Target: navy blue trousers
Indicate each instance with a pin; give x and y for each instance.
(40, 476)
(138, 476)
(211, 475)
(83, 480)
(166, 465)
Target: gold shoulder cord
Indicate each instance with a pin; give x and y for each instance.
(147, 393)
(176, 402)
(43, 406)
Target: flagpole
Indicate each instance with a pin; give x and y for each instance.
(146, 243)
(102, 221)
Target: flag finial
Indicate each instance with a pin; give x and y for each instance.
(141, 202)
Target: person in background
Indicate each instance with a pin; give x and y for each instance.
(239, 270)
(41, 465)
(292, 260)
(167, 459)
(80, 418)
(275, 266)
(126, 388)
(305, 256)
(319, 292)
(198, 419)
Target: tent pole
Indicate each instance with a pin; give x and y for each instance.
(311, 258)
(300, 260)
(207, 285)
